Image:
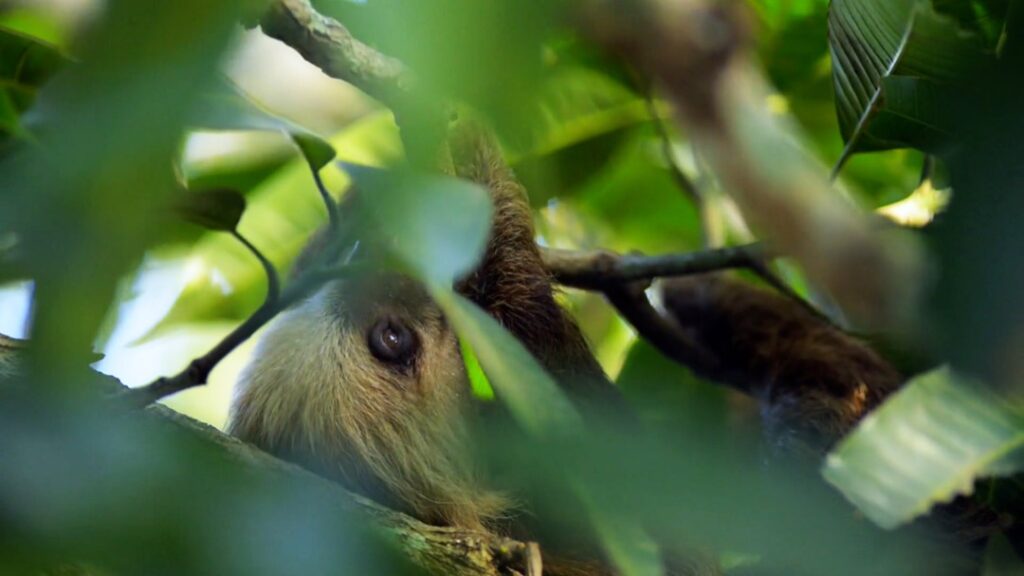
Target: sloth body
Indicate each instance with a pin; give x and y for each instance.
(364, 381)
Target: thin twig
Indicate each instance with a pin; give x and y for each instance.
(273, 281)
(601, 269)
(329, 203)
(198, 371)
(687, 185)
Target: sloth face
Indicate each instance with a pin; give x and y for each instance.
(364, 382)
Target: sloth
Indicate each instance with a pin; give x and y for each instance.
(364, 381)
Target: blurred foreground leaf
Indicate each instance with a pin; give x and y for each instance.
(534, 399)
(630, 547)
(100, 179)
(436, 226)
(927, 444)
(154, 493)
(978, 241)
(486, 54)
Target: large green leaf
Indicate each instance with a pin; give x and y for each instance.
(926, 445)
(25, 64)
(872, 40)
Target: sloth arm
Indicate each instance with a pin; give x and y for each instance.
(511, 282)
(813, 381)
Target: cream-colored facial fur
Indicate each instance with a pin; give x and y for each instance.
(313, 392)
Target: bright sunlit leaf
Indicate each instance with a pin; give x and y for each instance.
(927, 444)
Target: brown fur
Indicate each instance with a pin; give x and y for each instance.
(814, 381)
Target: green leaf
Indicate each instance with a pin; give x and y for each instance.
(581, 117)
(225, 107)
(436, 226)
(927, 444)
(576, 104)
(872, 40)
(26, 63)
(477, 379)
(531, 395)
(219, 209)
(913, 110)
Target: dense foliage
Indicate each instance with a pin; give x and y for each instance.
(132, 161)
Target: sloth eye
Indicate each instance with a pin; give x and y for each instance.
(392, 342)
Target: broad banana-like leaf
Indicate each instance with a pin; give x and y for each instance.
(927, 444)
(893, 63)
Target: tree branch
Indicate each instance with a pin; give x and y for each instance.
(602, 270)
(327, 44)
